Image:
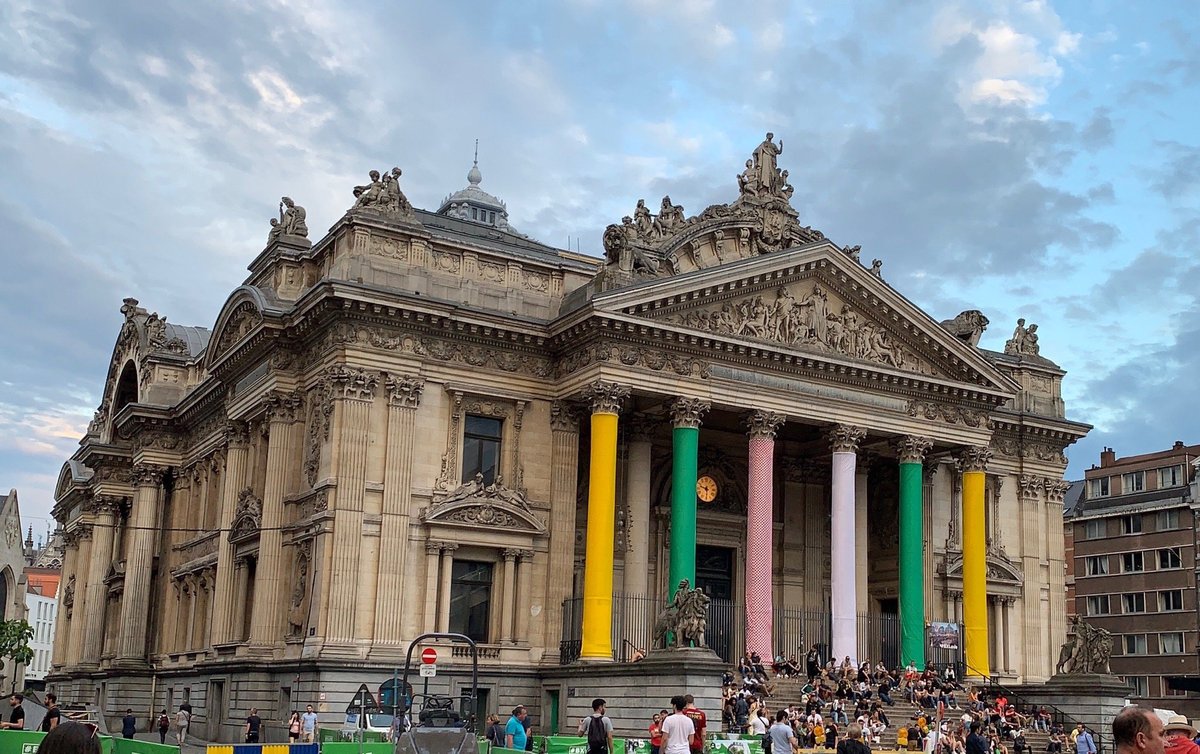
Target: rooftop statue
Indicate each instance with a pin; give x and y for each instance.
(383, 194)
(291, 221)
(1024, 341)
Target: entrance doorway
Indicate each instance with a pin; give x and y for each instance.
(715, 577)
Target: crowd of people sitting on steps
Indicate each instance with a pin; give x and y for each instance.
(836, 696)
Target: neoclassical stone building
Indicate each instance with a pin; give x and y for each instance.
(429, 421)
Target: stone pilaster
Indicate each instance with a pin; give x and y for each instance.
(448, 549)
(524, 574)
(564, 470)
(63, 628)
(509, 603)
(433, 551)
(844, 440)
(404, 398)
(135, 604)
(225, 627)
(85, 535)
(353, 392)
(283, 411)
(106, 509)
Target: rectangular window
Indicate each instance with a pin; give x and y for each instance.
(1170, 599)
(1171, 644)
(1097, 604)
(1169, 557)
(1132, 562)
(474, 213)
(1131, 524)
(1133, 603)
(481, 448)
(1139, 683)
(1168, 520)
(1134, 481)
(1135, 644)
(1172, 476)
(1094, 529)
(1098, 487)
(470, 599)
(1097, 565)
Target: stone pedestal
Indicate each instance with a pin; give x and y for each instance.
(636, 690)
(1090, 698)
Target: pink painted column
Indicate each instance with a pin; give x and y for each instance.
(760, 517)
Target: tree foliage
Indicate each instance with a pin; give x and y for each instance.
(14, 641)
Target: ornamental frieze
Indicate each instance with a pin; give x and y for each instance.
(948, 413)
(470, 354)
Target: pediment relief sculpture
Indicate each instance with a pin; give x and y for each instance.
(477, 504)
(808, 317)
(247, 517)
(760, 221)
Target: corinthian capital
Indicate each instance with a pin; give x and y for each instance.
(606, 397)
(763, 424)
(404, 390)
(237, 434)
(687, 413)
(282, 407)
(106, 504)
(975, 458)
(148, 475)
(912, 449)
(352, 383)
(562, 417)
(844, 438)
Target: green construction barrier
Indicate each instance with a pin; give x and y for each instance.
(374, 747)
(334, 735)
(734, 743)
(482, 745)
(27, 742)
(134, 746)
(499, 750)
(578, 745)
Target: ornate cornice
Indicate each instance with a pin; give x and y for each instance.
(687, 413)
(404, 390)
(912, 448)
(949, 413)
(844, 438)
(975, 458)
(606, 397)
(763, 425)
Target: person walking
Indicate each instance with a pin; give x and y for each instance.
(495, 731)
(308, 725)
(678, 729)
(598, 729)
(53, 713)
(183, 718)
(253, 728)
(699, 722)
(128, 724)
(514, 730)
(781, 735)
(1138, 730)
(294, 727)
(1084, 744)
(164, 726)
(16, 718)
(656, 733)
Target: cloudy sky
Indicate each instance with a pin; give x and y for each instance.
(1024, 158)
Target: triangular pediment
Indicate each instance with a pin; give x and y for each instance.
(816, 299)
(475, 504)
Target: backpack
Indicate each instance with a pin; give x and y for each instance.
(164, 722)
(766, 742)
(597, 736)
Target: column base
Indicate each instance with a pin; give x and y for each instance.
(130, 663)
(593, 661)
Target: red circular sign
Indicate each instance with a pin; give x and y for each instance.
(429, 655)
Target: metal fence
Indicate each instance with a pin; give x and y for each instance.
(794, 630)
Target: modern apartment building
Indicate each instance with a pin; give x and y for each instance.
(1135, 567)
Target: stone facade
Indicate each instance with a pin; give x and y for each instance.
(267, 512)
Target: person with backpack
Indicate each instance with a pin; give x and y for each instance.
(598, 729)
(164, 725)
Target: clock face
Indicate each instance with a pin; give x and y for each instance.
(706, 489)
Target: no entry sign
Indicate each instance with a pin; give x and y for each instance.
(429, 655)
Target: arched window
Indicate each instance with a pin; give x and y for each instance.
(4, 577)
(127, 388)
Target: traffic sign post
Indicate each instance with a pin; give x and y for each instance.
(429, 655)
(428, 671)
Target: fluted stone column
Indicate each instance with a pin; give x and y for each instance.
(524, 569)
(760, 517)
(84, 532)
(225, 630)
(97, 591)
(62, 631)
(686, 414)
(283, 410)
(974, 572)
(911, 451)
(391, 598)
(433, 551)
(606, 399)
(510, 598)
(354, 391)
(448, 549)
(843, 547)
(564, 471)
(135, 602)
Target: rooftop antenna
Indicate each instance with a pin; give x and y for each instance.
(477, 151)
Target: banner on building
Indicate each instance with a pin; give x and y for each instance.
(943, 635)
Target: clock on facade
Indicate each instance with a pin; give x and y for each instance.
(706, 489)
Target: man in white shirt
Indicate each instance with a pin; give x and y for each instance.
(759, 721)
(677, 729)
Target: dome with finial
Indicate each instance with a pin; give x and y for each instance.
(475, 205)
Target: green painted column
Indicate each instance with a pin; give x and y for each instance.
(912, 452)
(685, 443)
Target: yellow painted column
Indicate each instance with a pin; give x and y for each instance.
(974, 571)
(606, 399)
